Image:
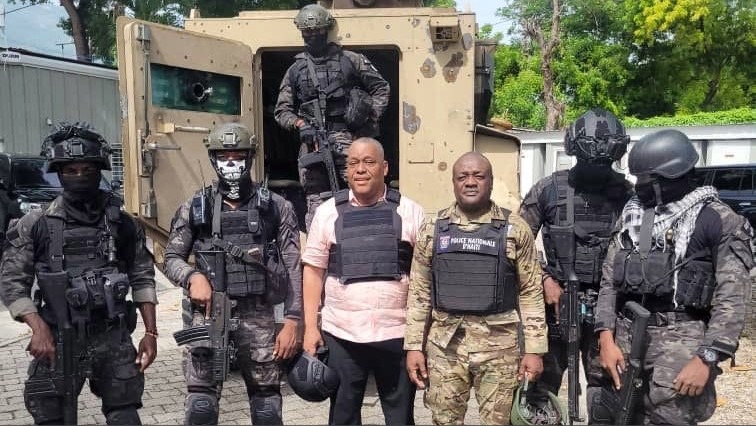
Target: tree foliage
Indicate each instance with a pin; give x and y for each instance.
(637, 58)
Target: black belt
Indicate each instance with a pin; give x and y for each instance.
(663, 319)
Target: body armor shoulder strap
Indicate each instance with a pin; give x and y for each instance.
(561, 183)
(56, 227)
(341, 197)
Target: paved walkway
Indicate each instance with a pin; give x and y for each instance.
(165, 389)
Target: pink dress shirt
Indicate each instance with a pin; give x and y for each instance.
(360, 312)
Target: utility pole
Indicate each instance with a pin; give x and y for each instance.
(62, 53)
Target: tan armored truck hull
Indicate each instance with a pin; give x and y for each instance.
(177, 84)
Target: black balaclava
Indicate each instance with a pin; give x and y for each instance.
(83, 201)
(659, 190)
(591, 176)
(316, 44)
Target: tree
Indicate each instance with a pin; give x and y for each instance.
(711, 41)
(540, 25)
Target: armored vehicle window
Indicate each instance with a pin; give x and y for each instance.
(193, 90)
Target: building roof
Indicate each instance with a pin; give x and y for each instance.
(23, 57)
(724, 132)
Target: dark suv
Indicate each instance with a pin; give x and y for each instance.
(735, 184)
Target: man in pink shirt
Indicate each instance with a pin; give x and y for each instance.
(362, 239)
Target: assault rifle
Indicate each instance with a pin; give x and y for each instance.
(212, 263)
(65, 377)
(324, 153)
(632, 382)
(569, 322)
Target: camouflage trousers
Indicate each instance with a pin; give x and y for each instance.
(453, 371)
(113, 376)
(670, 348)
(254, 341)
(315, 179)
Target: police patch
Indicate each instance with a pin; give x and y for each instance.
(443, 242)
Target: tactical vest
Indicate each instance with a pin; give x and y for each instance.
(471, 271)
(240, 233)
(369, 242)
(97, 289)
(647, 275)
(336, 76)
(593, 228)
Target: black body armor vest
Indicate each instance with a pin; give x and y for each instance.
(646, 275)
(96, 288)
(242, 234)
(336, 75)
(593, 221)
(471, 271)
(369, 242)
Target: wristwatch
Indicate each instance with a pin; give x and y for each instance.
(708, 355)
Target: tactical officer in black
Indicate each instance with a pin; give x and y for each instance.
(86, 255)
(332, 89)
(257, 230)
(590, 197)
(685, 256)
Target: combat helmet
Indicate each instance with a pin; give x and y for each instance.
(525, 413)
(75, 142)
(596, 136)
(230, 137)
(314, 17)
(310, 378)
(667, 153)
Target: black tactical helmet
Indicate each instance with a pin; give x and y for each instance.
(75, 142)
(667, 153)
(310, 378)
(314, 17)
(597, 135)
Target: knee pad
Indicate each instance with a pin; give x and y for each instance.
(201, 409)
(123, 416)
(266, 407)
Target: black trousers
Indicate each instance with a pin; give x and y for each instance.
(354, 362)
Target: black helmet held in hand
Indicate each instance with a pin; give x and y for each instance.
(310, 378)
(666, 153)
(75, 142)
(596, 136)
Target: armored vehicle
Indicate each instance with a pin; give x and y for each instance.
(176, 84)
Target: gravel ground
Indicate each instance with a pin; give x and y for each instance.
(735, 389)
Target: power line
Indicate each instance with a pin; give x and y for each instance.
(19, 8)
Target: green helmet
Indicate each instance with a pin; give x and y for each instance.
(524, 413)
(231, 137)
(314, 17)
(75, 142)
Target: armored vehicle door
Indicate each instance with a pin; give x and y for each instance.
(175, 85)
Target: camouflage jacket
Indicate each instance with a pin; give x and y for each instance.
(733, 261)
(183, 235)
(26, 251)
(371, 80)
(442, 325)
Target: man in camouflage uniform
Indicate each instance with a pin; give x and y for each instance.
(685, 256)
(347, 92)
(257, 230)
(474, 266)
(86, 241)
(589, 197)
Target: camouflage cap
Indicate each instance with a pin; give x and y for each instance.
(314, 17)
